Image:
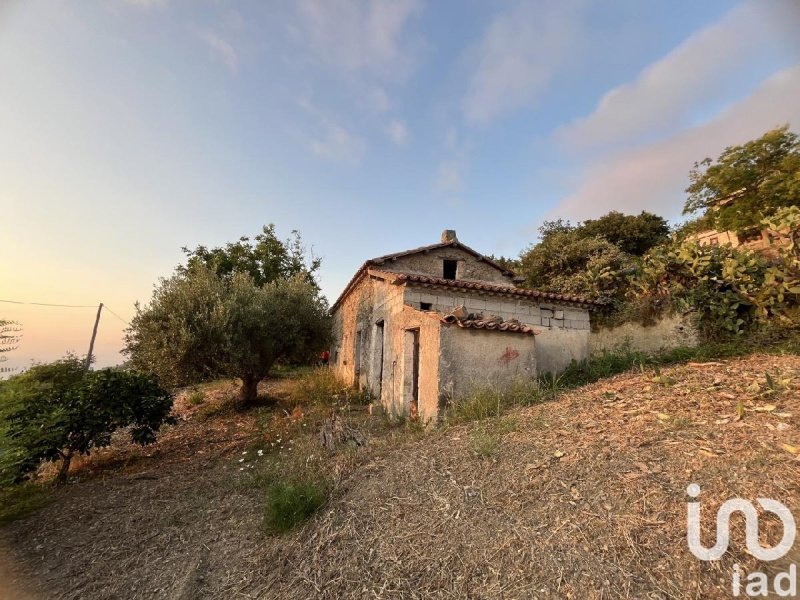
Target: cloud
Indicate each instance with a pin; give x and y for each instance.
(379, 100)
(398, 132)
(221, 48)
(147, 3)
(336, 143)
(701, 71)
(450, 176)
(519, 54)
(359, 35)
(654, 177)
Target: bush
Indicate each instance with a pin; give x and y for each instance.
(292, 502)
(53, 411)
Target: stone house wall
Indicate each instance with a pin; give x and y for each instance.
(430, 263)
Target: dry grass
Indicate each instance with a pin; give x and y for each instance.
(581, 497)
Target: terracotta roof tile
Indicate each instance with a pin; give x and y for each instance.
(509, 326)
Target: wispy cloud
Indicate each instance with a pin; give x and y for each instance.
(519, 54)
(701, 71)
(359, 35)
(378, 99)
(338, 145)
(398, 132)
(334, 143)
(654, 177)
(450, 176)
(222, 49)
(146, 3)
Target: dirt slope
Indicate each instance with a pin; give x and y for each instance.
(583, 497)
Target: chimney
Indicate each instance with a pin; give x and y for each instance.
(449, 235)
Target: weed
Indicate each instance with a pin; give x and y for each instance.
(485, 443)
(18, 501)
(209, 411)
(322, 386)
(291, 502)
(196, 397)
(485, 402)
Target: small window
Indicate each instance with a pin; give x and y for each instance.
(449, 269)
(425, 306)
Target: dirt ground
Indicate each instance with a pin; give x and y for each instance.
(581, 497)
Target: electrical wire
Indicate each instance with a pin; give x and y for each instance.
(48, 304)
(115, 314)
(108, 308)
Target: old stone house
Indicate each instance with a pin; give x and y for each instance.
(421, 327)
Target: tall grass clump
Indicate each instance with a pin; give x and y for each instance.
(490, 401)
(292, 502)
(321, 386)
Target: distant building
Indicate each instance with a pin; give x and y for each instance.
(420, 327)
(762, 241)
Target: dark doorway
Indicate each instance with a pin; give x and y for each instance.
(379, 333)
(411, 378)
(449, 268)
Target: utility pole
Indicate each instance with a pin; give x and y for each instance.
(94, 335)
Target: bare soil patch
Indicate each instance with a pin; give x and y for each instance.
(582, 497)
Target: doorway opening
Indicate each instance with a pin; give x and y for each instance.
(411, 377)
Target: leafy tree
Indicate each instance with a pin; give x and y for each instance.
(729, 289)
(567, 263)
(54, 411)
(200, 325)
(265, 258)
(747, 183)
(634, 234)
(591, 258)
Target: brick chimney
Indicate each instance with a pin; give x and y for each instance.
(449, 235)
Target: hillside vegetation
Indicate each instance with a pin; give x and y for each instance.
(578, 497)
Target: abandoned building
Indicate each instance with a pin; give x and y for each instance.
(421, 327)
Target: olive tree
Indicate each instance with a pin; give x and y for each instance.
(200, 325)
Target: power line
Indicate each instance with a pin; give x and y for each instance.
(67, 306)
(49, 304)
(115, 314)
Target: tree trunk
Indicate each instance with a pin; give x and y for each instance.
(249, 391)
(61, 479)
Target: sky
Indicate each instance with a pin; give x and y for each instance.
(132, 128)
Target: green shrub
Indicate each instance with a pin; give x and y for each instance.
(292, 502)
(54, 411)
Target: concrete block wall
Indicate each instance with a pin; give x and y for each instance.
(526, 311)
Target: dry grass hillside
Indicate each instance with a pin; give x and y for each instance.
(580, 497)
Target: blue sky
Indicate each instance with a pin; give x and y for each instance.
(131, 128)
